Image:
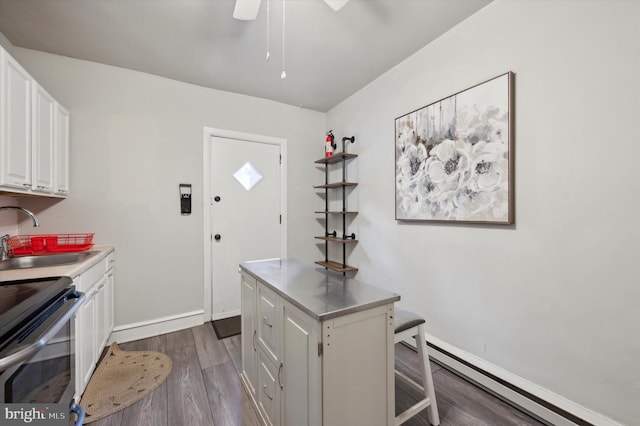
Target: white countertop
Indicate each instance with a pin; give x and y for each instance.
(70, 270)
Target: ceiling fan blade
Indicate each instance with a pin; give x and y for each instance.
(336, 5)
(246, 10)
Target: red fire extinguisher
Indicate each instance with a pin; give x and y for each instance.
(329, 146)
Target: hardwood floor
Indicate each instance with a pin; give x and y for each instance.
(204, 389)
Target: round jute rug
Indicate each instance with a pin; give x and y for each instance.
(122, 378)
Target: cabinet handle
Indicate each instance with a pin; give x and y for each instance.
(26, 185)
(264, 389)
(279, 376)
(264, 320)
(253, 340)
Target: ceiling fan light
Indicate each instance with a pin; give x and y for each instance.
(246, 10)
(336, 5)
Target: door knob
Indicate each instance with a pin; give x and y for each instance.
(217, 237)
(216, 198)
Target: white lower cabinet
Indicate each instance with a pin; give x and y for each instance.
(85, 341)
(269, 390)
(280, 360)
(302, 377)
(269, 318)
(249, 335)
(109, 290)
(101, 317)
(94, 320)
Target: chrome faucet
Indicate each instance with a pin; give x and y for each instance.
(4, 246)
(23, 210)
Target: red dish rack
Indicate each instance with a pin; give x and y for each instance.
(49, 244)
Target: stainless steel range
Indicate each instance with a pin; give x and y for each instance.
(37, 347)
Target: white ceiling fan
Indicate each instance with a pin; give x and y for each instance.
(247, 10)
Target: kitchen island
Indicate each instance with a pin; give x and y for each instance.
(317, 347)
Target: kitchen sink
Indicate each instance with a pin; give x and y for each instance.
(23, 262)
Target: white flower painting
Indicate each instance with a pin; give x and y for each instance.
(453, 157)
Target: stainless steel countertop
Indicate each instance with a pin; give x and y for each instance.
(320, 293)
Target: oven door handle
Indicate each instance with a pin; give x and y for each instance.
(75, 408)
(67, 310)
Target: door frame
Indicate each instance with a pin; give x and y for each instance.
(207, 236)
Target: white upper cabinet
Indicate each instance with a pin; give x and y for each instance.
(42, 139)
(15, 124)
(34, 135)
(61, 155)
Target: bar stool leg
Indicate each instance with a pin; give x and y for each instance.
(427, 379)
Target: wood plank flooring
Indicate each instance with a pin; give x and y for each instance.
(204, 389)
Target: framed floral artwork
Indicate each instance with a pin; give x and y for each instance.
(454, 157)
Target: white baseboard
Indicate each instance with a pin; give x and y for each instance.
(541, 403)
(224, 315)
(145, 329)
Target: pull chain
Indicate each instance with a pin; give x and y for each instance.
(284, 74)
(268, 31)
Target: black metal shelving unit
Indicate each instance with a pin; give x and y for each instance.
(332, 237)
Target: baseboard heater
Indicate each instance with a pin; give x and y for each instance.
(511, 394)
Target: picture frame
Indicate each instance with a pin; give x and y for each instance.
(454, 157)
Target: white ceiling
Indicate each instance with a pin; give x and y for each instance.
(329, 55)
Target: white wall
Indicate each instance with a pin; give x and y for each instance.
(8, 218)
(134, 138)
(553, 299)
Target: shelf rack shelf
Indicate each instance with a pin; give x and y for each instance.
(338, 240)
(340, 159)
(335, 212)
(335, 185)
(336, 266)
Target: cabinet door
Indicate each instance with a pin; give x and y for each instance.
(249, 288)
(110, 298)
(42, 139)
(301, 375)
(15, 123)
(357, 366)
(269, 388)
(87, 339)
(101, 316)
(61, 157)
(269, 321)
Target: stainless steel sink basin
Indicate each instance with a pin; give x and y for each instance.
(23, 262)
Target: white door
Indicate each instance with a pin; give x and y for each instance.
(245, 214)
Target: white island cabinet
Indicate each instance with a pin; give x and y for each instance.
(317, 347)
